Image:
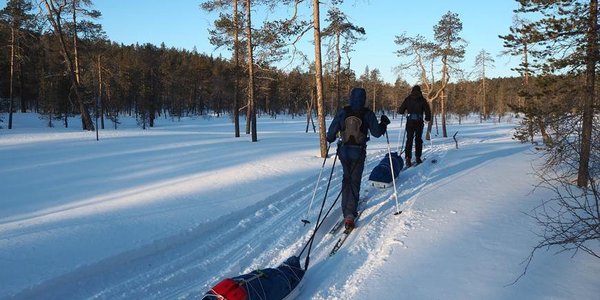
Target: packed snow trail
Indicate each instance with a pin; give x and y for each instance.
(189, 263)
(185, 265)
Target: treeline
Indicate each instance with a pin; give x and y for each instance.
(147, 81)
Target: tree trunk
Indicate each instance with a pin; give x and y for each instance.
(338, 94)
(75, 48)
(483, 101)
(99, 99)
(236, 58)
(12, 73)
(21, 87)
(443, 112)
(545, 136)
(319, 78)
(102, 106)
(251, 109)
(443, 95)
(308, 114)
(588, 108)
(430, 123)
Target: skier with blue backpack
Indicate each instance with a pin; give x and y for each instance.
(353, 123)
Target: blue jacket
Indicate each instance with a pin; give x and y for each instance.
(358, 98)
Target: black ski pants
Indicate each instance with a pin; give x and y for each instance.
(353, 168)
(414, 130)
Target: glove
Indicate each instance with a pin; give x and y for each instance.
(385, 120)
(331, 140)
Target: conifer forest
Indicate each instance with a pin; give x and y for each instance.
(57, 61)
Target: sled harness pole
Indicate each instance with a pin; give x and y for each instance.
(308, 244)
(398, 211)
(317, 224)
(305, 220)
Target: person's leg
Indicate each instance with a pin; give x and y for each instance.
(419, 141)
(410, 135)
(351, 186)
(347, 193)
(357, 172)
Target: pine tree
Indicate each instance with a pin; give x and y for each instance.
(451, 50)
(344, 34)
(567, 36)
(227, 32)
(17, 14)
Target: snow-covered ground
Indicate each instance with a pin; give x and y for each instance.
(167, 212)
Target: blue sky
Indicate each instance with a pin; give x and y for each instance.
(182, 24)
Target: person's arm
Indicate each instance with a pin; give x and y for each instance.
(402, 108)
(377, 129)
(335, 126)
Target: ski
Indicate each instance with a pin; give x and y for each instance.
(340, 242)
(337, 227)
(343, 238)
(340, 224)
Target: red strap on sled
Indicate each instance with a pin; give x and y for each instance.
(229, 289)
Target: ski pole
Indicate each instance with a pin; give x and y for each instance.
(398, 211)
(305, 220)
(402, 144)
(319, 222)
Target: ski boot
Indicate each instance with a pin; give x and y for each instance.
(349, 224)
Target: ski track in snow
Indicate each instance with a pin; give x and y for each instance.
(186, 265)
(366, 248)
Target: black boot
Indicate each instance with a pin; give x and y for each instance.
(408, 162)
(419, 161)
